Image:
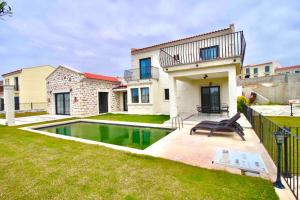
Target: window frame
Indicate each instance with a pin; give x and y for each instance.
(149, 75)
(248, 69)
(205, 58)
(147, 96)
(6, 82)
(167, 94)
(16, 83)
(132, 95)
(255, 74)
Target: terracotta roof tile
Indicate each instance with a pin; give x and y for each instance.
(288, 67)
(100, 77)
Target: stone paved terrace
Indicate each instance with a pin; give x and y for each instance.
(277, 110)
(199, 149)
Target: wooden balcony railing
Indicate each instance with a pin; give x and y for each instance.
(209, 49)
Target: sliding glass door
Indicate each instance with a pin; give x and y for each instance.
(62, 103)
(210, 99)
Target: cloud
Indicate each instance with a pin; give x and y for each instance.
(97, 35)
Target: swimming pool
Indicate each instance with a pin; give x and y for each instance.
(137, 137)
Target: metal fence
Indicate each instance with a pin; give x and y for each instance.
(23, 107)
(265, 129)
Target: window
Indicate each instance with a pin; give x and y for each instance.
(16, 84)
(209, 53)
(145, 95)
(297, 72)
(255, 72)
(167, 95)
(134, 95)
(176, 57)
(267, 70)
(145, 68)
(247, 71)
(6, 81)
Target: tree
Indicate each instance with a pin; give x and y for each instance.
(4, 9)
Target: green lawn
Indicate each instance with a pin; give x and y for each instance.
(34, 166)
(286, 121)
(155, 119)
(25, 114)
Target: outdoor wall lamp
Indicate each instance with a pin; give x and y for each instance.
(75, 100)
(279, 137)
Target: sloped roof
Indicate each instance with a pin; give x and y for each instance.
(134, 50)
(288, 67)
(88, 75)
(12, 72)
(254, 65)
(100, 77)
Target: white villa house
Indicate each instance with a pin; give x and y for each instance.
(179, 77)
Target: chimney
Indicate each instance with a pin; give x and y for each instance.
(231, 26)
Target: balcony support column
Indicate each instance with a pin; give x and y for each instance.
(232, 91)
(173, 96)
(9, 105)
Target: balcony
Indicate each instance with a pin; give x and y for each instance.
(136, 74)
(231, 45)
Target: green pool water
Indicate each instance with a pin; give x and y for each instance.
(129, 136)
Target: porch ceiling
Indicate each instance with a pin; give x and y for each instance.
(203, 75)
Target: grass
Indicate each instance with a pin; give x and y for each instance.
(24, 114)
(285, 121)
(34, 166)
(155, 119)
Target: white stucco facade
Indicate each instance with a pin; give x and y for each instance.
(184, 81)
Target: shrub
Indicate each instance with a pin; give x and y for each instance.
(241, 100)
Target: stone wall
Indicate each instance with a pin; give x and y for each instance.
(276, 90)
(83, 92)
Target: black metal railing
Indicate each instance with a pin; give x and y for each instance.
(137, 74)
(265, 129)
(209, 49)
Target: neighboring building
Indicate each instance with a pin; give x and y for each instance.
(288, 70)
(71, 92)
(30, 86)
(259, 70)
(1, 96)
(177, 76)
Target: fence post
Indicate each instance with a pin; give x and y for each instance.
(31, 106)
(261, 129)
(286, 173)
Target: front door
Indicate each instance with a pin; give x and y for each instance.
(103, 102)
(62, 103)
(125, 101)
(210, 99)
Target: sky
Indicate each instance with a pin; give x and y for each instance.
(96, 36)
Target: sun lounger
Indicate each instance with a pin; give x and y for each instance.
(223, 126)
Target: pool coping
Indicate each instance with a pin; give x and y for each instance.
(86, 141)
